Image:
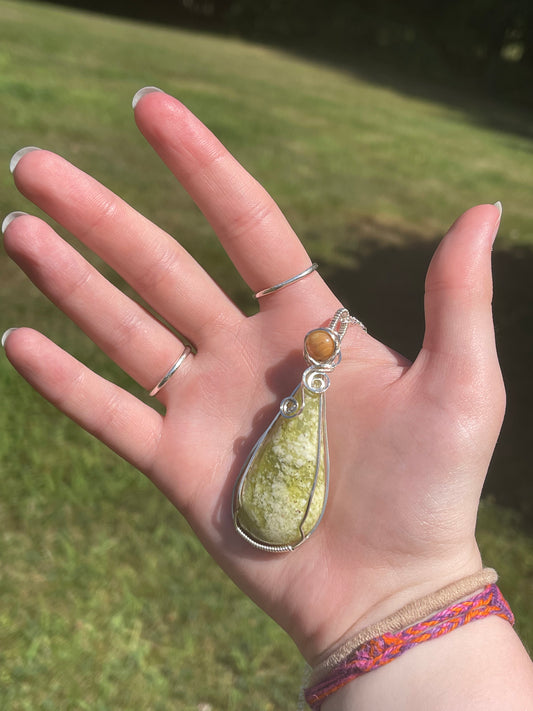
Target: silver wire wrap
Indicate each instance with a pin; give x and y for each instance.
(315, 379)
(164, 380)
(322, 441)
(343, 316)
(283, 284)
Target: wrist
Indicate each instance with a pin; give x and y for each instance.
(377, 597)
(417, 623)
(479, 667)
(413, 612)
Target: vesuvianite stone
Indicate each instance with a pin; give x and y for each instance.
(279, 481)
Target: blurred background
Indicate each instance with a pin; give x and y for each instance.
(374, 125)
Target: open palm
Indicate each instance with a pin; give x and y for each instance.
(409, 443)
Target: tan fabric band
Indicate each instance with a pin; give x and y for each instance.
(410, 614)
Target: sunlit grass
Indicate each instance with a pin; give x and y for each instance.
(108, 601)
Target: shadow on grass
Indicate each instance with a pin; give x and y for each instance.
(385, 289)
(496, 102)
(499, 99)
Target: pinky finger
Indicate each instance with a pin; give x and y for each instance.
(115, 417)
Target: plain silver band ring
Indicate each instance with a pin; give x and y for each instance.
(283, 284)
(164, 380)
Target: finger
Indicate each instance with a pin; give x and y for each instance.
(459, 285)
(251, 227)
(115, 417)
(125, 331)
(459, 339)
(155, 265)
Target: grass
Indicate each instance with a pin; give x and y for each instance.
(108, 601)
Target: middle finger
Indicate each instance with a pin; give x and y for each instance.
(150, 260)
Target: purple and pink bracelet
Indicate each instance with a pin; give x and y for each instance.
(387, 646)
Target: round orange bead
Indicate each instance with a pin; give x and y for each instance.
(320, 345)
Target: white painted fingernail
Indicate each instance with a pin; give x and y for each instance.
(8, 219)
(500, 208)
(142, 92)
(6, 335)
(18, 155)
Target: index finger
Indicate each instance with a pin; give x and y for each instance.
(249, 224)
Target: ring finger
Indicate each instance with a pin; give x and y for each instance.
(124, 330)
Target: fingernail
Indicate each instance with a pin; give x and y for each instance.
(8, 219)
(500, 208)
(142, 92)
(6, 335)
(18, 155)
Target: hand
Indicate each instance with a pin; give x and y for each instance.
(409, 443)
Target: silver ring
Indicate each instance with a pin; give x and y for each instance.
(283, 284)
(164, 380)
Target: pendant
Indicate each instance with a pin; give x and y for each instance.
(281, 492)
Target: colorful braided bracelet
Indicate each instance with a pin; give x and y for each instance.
(384, 648)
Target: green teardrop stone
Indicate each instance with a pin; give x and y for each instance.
(280, 502)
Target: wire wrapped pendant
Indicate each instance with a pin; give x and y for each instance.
(281, 492)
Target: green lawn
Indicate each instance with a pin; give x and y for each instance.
(108, 601)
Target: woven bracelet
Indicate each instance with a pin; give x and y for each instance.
(383, 649)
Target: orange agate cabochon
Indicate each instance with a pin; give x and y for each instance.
(320, 345)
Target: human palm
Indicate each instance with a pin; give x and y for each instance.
(409, 443)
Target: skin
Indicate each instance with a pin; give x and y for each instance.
(410, 443)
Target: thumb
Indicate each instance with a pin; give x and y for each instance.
(459, 342)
